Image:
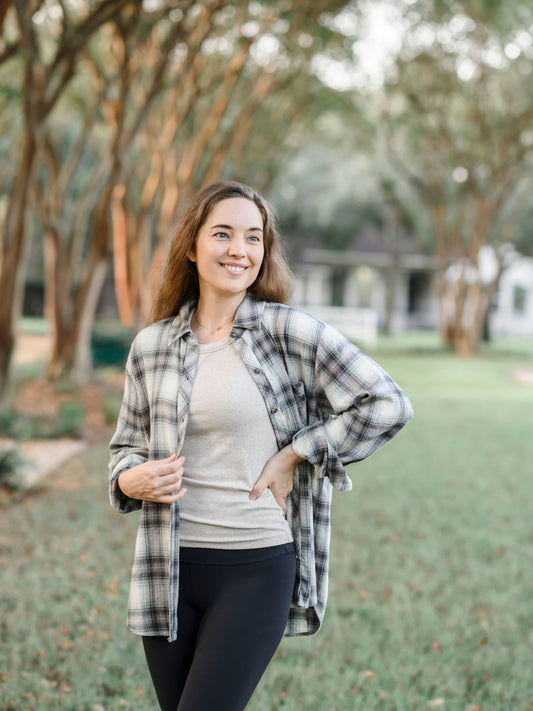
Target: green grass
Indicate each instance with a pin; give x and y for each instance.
(430, 600)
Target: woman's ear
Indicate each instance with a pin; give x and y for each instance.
(192, 257)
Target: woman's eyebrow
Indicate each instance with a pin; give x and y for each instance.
(229, 227)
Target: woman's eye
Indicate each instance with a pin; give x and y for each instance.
(254, 238)
(222, 235)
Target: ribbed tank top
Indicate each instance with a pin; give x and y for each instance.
(228, 440)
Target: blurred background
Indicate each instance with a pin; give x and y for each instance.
(395, 139)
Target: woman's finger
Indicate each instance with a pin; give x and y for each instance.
(172, 498)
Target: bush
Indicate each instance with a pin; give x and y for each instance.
(67, 423)
(7, 417)
(111, 407)
(110, 346)
(10, 465)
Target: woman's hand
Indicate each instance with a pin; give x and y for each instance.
(278, 476)
(154, 480)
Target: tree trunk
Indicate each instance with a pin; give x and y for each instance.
(121, 257)
(83, 362)
(11, 253)
(465, 313)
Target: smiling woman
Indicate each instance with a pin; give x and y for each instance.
(228, 255)
(180, 280)
(238, 417)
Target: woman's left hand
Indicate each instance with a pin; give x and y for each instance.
(278, 476)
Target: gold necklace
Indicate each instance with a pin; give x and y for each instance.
(212, 330)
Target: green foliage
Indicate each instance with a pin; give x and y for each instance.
(7, 418)
(10, 465)
(429, 587)
(111, 407)
(110, 345)
(64, 387)
(70, 420)
(321, 205)
(67, 423)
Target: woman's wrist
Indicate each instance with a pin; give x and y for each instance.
(291, 455)
(122, 483)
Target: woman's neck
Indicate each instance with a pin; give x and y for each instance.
(213, 320)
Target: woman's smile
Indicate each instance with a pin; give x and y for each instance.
(229, 248)
(235, 268)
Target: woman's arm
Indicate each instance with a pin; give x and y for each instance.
(362, 408)
(278, 476)
(158, 481)
(129, 445)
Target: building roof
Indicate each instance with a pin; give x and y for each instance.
(371, 248)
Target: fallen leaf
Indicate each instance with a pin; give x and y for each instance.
(436, 703)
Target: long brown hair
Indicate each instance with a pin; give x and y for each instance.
(180, 279)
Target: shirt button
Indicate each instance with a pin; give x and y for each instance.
(233, 334)
(257, 371)
(274, 410)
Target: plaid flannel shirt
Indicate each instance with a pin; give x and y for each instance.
(323, 395)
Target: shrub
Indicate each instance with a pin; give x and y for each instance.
(69, 421)
(111, 407)
(7, 418)
(10, 466)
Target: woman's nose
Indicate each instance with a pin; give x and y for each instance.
(236, 247)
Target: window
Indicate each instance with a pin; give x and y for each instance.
(519, 299)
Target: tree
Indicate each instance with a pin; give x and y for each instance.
(98, 78)
(247, 80)
(122, 94)
(46, 72)
(456, 121)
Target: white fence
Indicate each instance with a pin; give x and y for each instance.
(359, 325)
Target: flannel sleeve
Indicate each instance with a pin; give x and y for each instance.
(362, 408)
(130, 443)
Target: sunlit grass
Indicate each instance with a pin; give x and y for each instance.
(430, 593)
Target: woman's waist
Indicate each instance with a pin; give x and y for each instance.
(234, 556)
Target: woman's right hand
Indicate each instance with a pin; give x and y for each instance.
(154, 480)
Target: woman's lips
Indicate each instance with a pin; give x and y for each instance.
(234, 268)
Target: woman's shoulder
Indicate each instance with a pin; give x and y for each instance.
(295, 324)
(292, 321)
(154, 334)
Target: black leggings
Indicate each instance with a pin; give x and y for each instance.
(232, 610)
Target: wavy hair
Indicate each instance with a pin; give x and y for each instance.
(179, 281)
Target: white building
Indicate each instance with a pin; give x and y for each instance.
(512, 313)
(368, 288)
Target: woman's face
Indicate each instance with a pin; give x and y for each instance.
(229, 248)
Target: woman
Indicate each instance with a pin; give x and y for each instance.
(239, 415)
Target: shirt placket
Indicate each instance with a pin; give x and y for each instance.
(276, 406)
(187, 365)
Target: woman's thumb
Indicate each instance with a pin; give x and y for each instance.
(259, 487)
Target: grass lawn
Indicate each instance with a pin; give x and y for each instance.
(431, 593)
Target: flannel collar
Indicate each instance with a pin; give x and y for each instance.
(248, 316)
